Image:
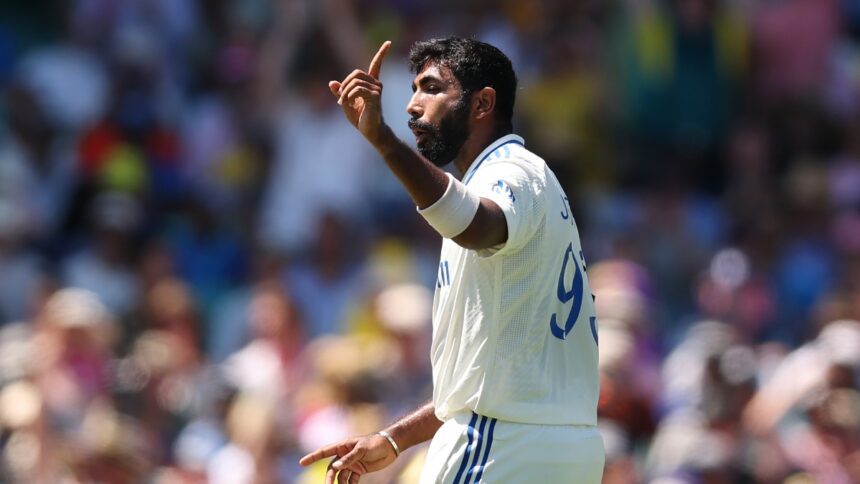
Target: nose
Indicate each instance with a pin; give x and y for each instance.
(414, 108)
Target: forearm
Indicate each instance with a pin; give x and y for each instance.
(424, 182)
(415, 428)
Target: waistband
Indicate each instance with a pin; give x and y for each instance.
(464, 418)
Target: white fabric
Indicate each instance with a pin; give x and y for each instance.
(494, 351)
(454, 211)
(471, 448)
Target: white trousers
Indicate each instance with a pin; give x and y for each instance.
(471, 448)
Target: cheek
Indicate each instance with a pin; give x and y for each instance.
(431, 111)
(436, 111)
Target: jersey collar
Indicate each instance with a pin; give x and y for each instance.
(508, 138)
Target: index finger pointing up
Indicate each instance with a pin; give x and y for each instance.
(376, 63)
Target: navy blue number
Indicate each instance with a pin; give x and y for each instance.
(565, 295)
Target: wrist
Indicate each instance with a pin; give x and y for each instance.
(391, 441)
(385, 140)
(454, 211)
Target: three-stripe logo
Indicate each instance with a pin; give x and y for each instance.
(444, 277)
(479, 442)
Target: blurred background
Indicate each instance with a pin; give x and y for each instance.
(205, 271)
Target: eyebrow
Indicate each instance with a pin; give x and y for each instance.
(424, 80)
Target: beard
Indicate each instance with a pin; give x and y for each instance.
(444, 141)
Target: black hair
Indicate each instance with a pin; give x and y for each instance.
(475, 64)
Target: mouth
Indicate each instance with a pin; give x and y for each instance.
(421, 135)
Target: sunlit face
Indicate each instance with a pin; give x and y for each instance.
(439, 114)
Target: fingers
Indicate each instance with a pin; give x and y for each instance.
(358, 90)
(347, 476)
(376, 63)
(339, 475)
(347, 460)
(372, 74)
(318, 454)
(357, 74)
(338, 89)
(358, 82)
(343, 476)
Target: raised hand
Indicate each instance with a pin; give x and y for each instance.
(356, 456)
(360, 95)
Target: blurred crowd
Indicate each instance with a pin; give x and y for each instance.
(206, 272)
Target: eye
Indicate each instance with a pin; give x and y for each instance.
(432, 88)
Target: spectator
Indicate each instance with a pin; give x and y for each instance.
(192, 242)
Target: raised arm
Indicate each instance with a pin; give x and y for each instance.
(360, 95)
(357, 456)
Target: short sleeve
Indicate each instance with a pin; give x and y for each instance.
(517, 192)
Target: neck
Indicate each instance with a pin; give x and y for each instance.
(475, 144)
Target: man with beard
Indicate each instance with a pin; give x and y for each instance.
(514, 349)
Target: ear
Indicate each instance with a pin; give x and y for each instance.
(484, 102)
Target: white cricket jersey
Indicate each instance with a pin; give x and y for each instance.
(514, 327)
